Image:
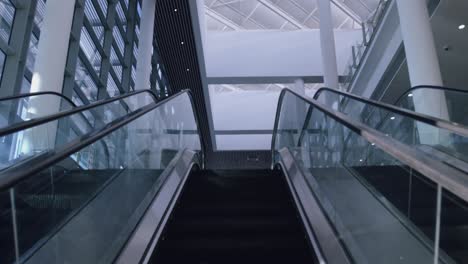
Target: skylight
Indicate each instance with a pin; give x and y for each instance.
(228, 15)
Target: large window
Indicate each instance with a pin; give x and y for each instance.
(7, 13)
(103, 48)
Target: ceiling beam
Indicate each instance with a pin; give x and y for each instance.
(310, 15)
(221, 19)
(347, 11)
(283, 14)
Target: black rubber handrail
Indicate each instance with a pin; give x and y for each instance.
(19, 96)
(15, 174)
(419, 87)
(41, 120)
(68, 100)
(430, 120)
(447, 177)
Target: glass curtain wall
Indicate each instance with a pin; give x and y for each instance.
(104, 62)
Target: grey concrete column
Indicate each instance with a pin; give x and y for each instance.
(145, 47)
(49, 70)
(327, 44)
(202, 19)
(52, 51)
(423, 65)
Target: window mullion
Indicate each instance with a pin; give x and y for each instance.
(108, 39)
(130, 41)
(73, 49)
(17, 50)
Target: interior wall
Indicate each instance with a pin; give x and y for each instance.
(273, 53)
(243, 111)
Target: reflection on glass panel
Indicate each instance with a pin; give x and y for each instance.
(133, 73)
(374, 201)
(116, 64)
(44, 138)
(90, 50)
(7, 13)
(103, 5)
(138, 8)
(76, 99)
(32, 53)
(2, 63)
(40, 11)
(118, 39)
(121, 18)
(112, 89)
(428, 138)
(25, 86)
(84, 183)
(94, 20)
(84, 80)
(135, 51)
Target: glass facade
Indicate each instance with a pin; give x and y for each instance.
(103, 61)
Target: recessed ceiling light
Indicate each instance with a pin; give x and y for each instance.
(373, 144)
(188, 69)
(182, 43)
(175, 10)
(462, 26)
(360, 160)
(392, 118)
(410, 95)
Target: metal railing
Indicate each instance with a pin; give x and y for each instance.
(13, 175)
(358, 50)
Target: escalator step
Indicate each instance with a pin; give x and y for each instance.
(234, 217)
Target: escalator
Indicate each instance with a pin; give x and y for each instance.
(24, 111)
(235, 217)
(436, 136)
(325, 200)
(455, 101)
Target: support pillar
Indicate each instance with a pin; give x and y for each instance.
(49, 72)
(52, 51)
(202, 19)
(327, 44)
(145, 50)
(145, 47)
(423, 65)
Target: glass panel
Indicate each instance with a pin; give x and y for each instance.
(101, 203)
(7, 14)
(118, 40)
(85, 81)
(428, 138)
(380, 208)
(94, 19)
(18, 110)
(90, 50)
(121, 17)
(116, 64)
(47, 137)
(2, 63)
(40, 11)
(112, 89)
(103, 5)
(32, 52)
(453, 230)
(454, 100)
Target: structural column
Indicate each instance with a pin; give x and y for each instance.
(202, 20)
(327, 44)
(423, 63)
(145, 47)
(52, 51)
(49, 71)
